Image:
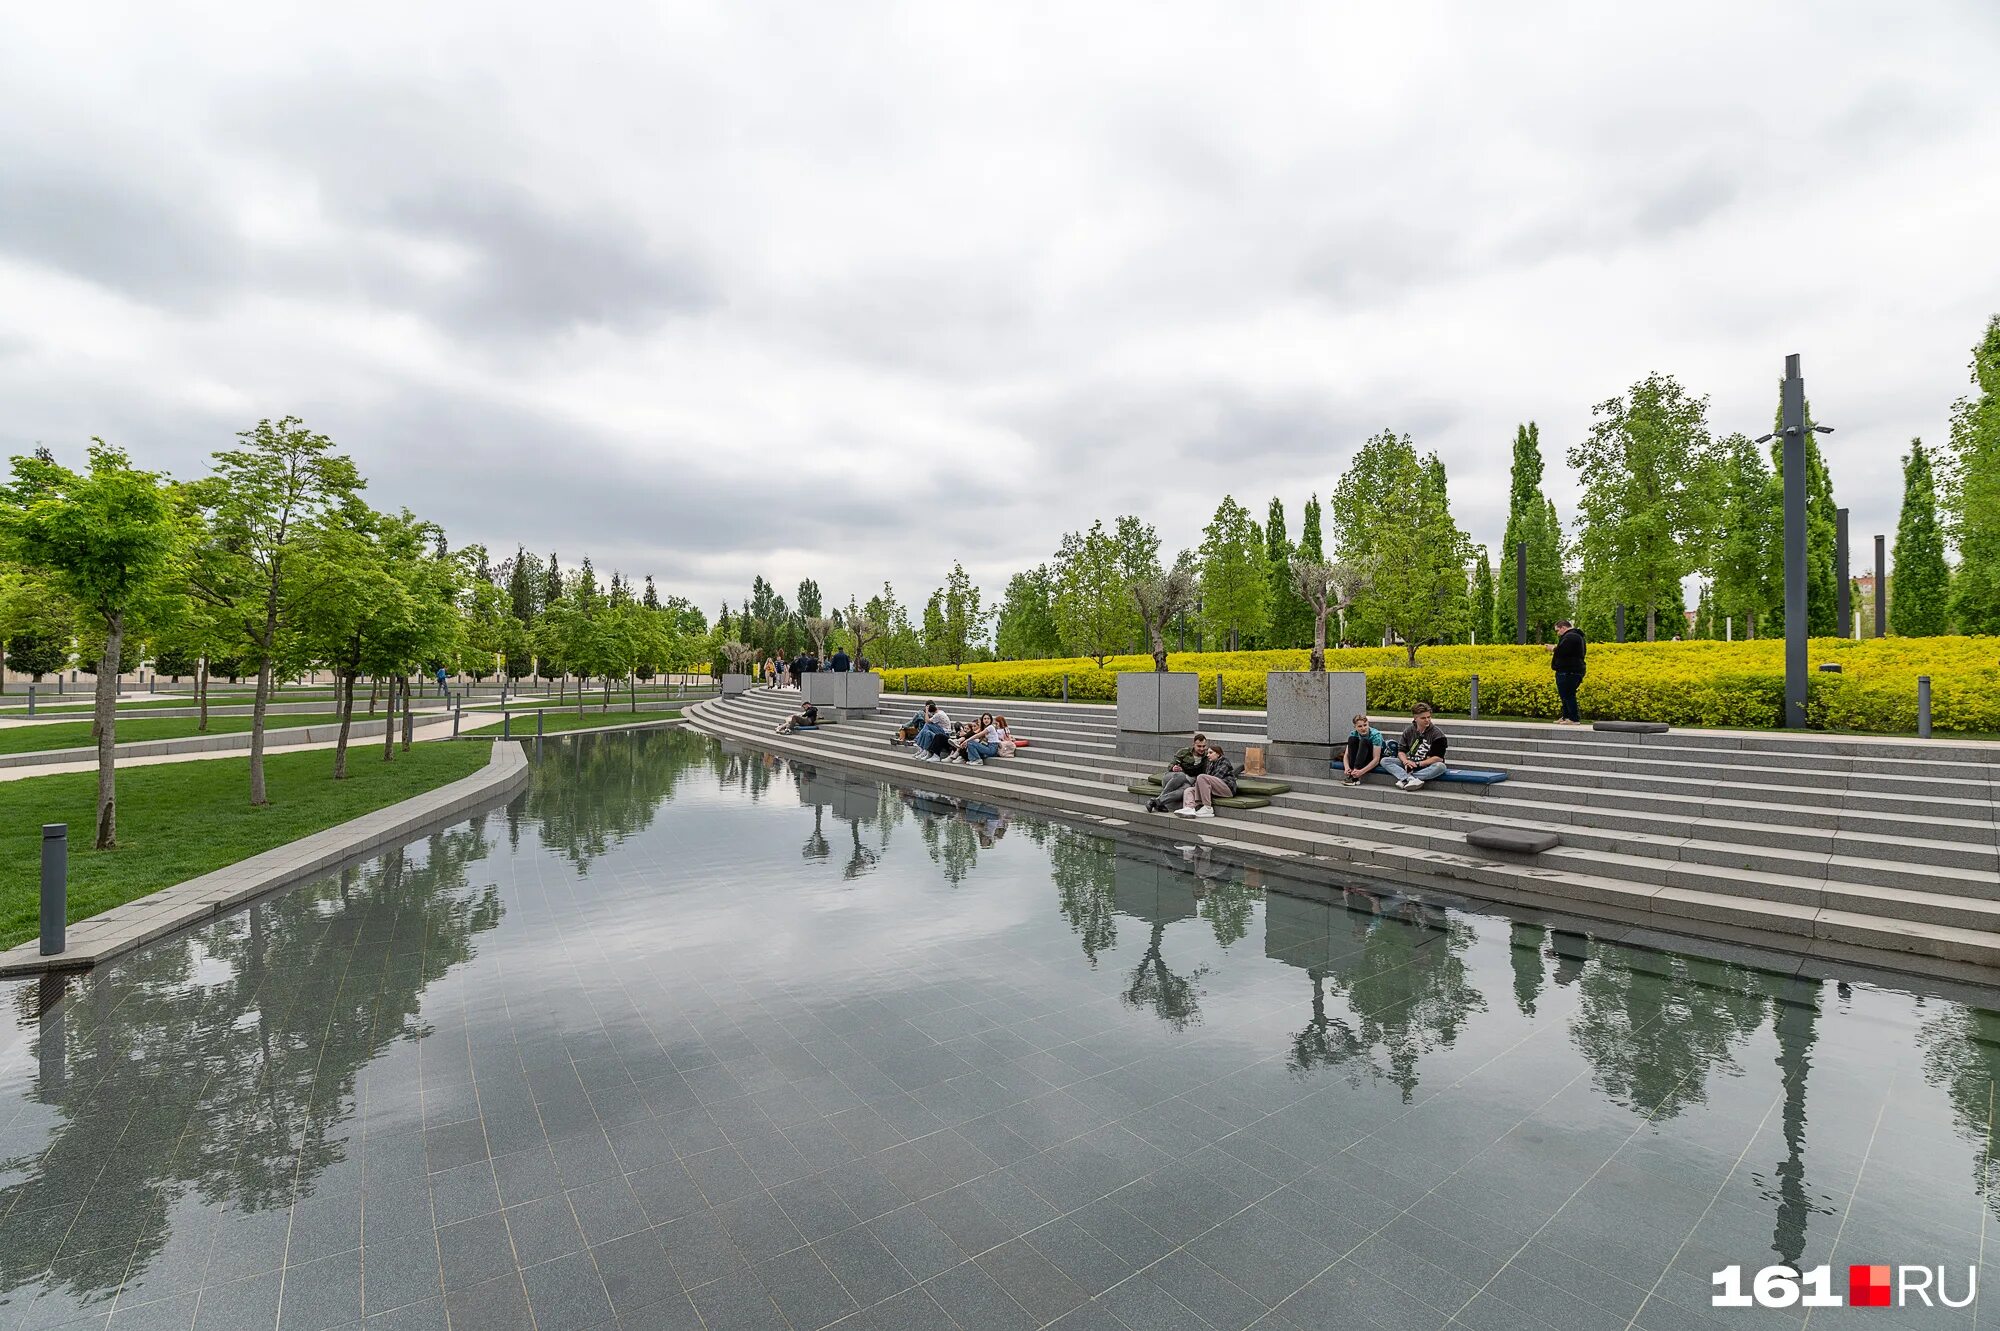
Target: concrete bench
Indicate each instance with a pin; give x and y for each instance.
(1518, 840)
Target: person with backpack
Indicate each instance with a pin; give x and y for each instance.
(1363, 753)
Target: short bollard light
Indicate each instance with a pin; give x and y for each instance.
(1065, 686)
(1923, 706)
(55, 886)
(1472, 707)
(1218, 688)
(538, 727)
(31, 700)
(507, 724)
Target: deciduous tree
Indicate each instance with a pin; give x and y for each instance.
(1647, 468)
(110, 538)
(1235, 581)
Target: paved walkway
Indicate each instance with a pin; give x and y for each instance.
(436, 730)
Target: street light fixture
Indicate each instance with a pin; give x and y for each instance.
(1792, 429)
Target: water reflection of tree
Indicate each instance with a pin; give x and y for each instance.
(236, 1091)
(1655, 1026)
(589, 792)
(1083, 868)
(1399, 964)
(955, 830)
(1145, 886)
(1961, 1047)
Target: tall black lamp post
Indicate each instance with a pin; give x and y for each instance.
(1792, 429)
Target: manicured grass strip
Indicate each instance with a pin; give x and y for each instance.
(180, 820)
(76, 734)
(556, 722)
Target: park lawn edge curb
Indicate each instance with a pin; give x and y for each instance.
(134, 923)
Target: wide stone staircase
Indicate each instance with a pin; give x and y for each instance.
(1883, 852)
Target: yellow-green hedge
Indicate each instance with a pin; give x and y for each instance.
(1680, 683)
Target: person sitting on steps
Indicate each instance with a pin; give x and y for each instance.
(990, 742)
(805, 716)
(933, 729)
(1216, 781)
(1188, 764)
(1364, 751)
(908, 733)
(1419, 755)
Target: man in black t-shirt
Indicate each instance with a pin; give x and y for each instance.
(806, 716)
(1419, 757)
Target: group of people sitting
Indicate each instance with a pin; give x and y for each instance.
(788, 674)
(1202, 773)
(1412, 760)
(937, 739)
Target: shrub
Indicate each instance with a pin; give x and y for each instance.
(1680, 683)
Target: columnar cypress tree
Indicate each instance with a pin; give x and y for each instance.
(1291, 619)
(1921, 604)
(1310, 546)
(1975, 494)
(1530, 518)
(1485, 616)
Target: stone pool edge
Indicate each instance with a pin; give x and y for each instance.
(143, 919)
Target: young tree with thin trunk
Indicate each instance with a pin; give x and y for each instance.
(1327, 589)
(1235, 578)
(110, 538)
(263, 501)
(1161, 598)
(1092, 611)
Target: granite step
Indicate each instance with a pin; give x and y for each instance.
(1623, 887)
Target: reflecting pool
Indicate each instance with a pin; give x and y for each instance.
(689, 1036)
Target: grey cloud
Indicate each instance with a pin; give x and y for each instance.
(536, 270)
(125, 233)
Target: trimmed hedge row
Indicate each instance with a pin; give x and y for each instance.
(1683, 684)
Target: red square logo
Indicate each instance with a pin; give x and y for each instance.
(1868, 1287)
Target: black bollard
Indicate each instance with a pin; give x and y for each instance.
(55, 886)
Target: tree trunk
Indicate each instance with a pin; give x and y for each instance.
(632, 684)
(1652, 621)
(409, 718)
(344, 692)
(3, 667)
(106, 725)
(1319, 642)
(1410, 646)
(389, 725)
(201, 694)
(258, 796)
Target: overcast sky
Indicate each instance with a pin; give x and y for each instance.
(849, 291)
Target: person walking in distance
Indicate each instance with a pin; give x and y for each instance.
(1566, 659)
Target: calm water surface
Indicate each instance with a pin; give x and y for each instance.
(692, 1037)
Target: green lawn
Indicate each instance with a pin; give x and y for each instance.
(180, 820)
(76, 734)
(556, 722)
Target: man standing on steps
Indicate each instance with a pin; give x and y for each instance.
(1566, 658)
(838, 662)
